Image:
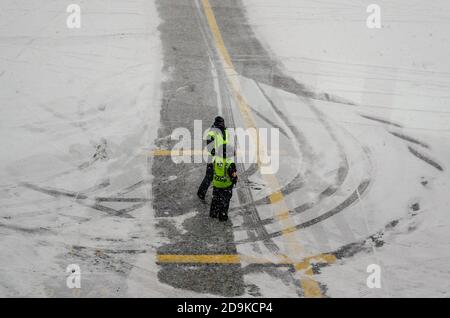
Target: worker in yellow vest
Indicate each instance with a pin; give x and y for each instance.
(224, 179)
(217, 136)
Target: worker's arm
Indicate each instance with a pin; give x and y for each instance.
(209, 140)
(233, 173)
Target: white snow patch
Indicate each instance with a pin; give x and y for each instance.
(178, 221)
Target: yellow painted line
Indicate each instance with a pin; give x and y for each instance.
(324, 258)
(202, 259)
(276, 197)
(216, 32)
(311, 288)
(283, 215)
(305, 265)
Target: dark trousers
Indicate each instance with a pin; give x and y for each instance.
(221, 203)
(206, 181)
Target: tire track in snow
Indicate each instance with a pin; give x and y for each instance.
(428, 160)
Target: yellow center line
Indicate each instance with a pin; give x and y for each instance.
(310, 287)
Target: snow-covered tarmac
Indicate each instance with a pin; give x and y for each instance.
(80, 117)
(400, 73)
(79, 111)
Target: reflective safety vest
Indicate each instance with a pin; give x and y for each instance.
(218, 138)
(221, 178)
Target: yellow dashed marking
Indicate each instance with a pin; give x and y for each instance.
(283, 215)
(276, 197)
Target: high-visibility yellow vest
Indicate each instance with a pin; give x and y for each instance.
(221, 178)
(218, 138)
